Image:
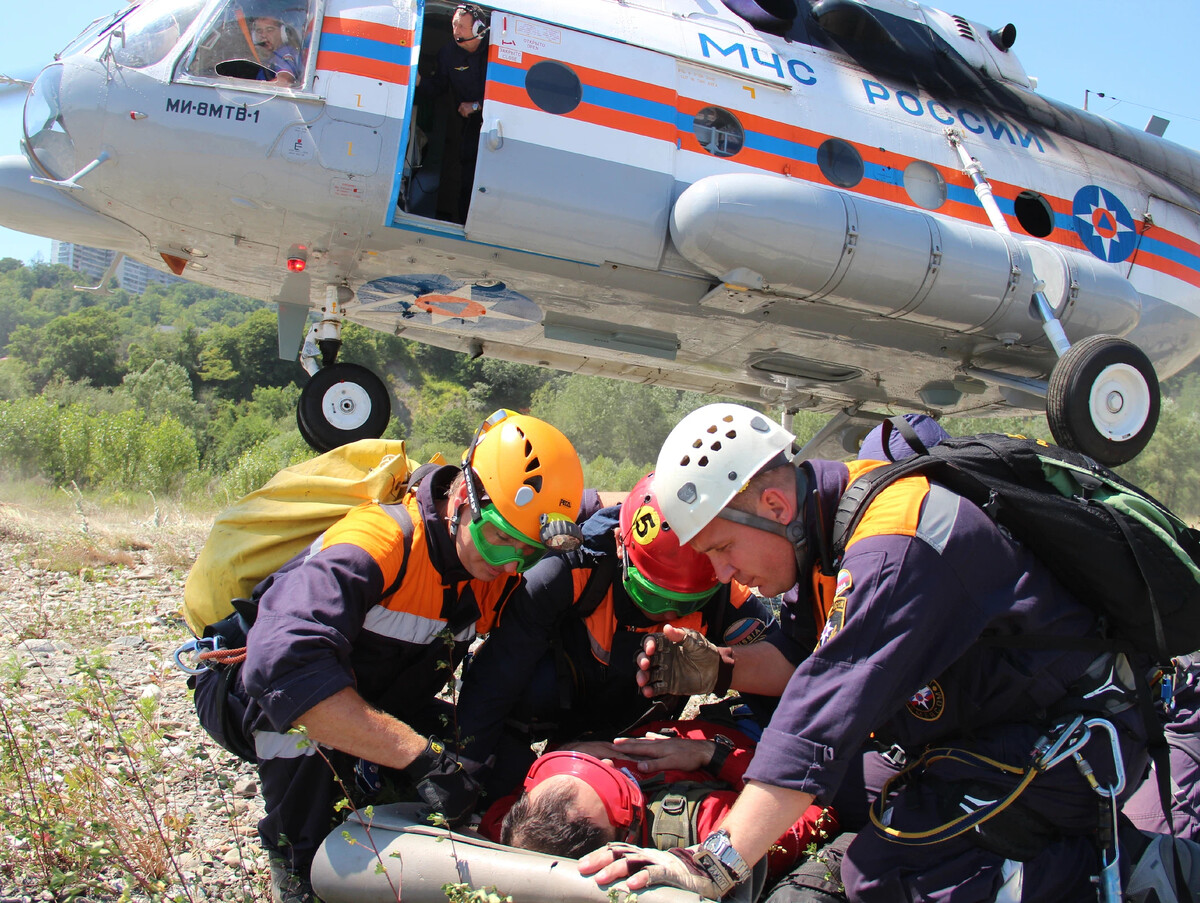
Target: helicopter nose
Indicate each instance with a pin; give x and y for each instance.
(41, 210)
(46, 137)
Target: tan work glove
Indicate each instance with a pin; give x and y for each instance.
(688, 667)
(676, 867)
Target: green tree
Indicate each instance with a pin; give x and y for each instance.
(620, 420)
(81, 345)
(164, 390)
(14, 380)
(444, 421)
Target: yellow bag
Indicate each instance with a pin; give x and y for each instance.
(270, 526)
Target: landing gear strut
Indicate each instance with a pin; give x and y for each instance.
(1103, 396)
(341, 403)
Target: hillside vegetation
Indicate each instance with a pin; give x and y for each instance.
(180, 391)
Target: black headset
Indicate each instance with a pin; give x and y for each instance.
(479, 26)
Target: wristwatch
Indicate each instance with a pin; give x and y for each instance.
(475, 106)
(722, 862)
(724, 746)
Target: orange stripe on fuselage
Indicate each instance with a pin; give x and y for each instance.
(358, 65)
(357, 28)
(770, 162)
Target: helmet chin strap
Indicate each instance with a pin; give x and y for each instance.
(794, 531)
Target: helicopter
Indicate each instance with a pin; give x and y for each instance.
(844, 206)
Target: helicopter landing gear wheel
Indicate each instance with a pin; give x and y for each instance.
(342, 403)
(1103, 399)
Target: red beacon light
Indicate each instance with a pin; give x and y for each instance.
(297, 259)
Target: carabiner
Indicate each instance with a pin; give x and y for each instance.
(1112, 791)
(1047, 754)
(195, 646)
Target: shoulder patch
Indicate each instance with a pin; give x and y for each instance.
(743, 631)
(837, 611)
(928, 703)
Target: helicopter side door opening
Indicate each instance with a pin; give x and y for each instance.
(437, 165)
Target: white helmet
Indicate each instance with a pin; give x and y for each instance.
(709, 458)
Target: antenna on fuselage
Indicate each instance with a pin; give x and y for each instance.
(1157, 125)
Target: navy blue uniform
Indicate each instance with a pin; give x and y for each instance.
(335, 617)
(464, 74)
(902, 656)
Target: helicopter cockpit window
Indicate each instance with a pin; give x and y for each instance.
(718, 131)
(88, 36)
(149, 33)
(264, 41)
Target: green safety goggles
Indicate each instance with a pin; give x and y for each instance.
(526, 554)
(653, 599)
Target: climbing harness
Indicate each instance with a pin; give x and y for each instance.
(1065, 741)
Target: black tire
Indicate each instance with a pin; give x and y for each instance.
(305, 433)
(1104, 399)
(342, 403)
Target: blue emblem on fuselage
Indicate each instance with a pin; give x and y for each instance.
(1103, 223)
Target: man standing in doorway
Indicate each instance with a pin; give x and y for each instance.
(462, 69)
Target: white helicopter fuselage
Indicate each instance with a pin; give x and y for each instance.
(662, 194)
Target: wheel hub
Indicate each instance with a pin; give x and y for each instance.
(346, 405)
(1120, 402)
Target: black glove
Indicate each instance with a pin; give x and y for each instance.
(693, 666)
(443, 783)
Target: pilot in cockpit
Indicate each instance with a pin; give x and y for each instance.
(277, 47)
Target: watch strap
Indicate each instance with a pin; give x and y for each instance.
(730, 860)
(724, 746)
(715, 869)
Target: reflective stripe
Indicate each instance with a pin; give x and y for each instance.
(410, 628)
(1014, 880)
(938, 516)
(601, 654)
(270, 745)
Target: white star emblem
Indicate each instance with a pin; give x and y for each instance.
(1104, 223)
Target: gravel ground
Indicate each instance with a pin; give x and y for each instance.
(109, 788)
(131, 755)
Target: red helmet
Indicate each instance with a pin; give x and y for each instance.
(620, 794)
(660, 575)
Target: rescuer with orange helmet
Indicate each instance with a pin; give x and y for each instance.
(353, 639)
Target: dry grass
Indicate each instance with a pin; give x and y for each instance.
(70, 532)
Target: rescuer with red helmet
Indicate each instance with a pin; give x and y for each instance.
(560, 662)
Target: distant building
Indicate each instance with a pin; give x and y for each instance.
(132, 276)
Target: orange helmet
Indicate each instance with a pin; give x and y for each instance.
(530, 473)
(660, 574)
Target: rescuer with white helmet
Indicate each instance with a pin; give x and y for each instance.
(905, 658)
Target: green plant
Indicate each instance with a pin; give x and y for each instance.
(465, 893)
(81, 795)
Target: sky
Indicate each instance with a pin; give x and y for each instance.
(1136, 55)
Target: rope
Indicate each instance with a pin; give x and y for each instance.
(223, 656)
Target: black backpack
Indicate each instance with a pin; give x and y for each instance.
(1111, 544)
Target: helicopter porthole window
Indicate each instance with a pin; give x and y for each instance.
(553, 87)
(840, 162)
(718, 131)
(1034, 214)
(924, 185)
